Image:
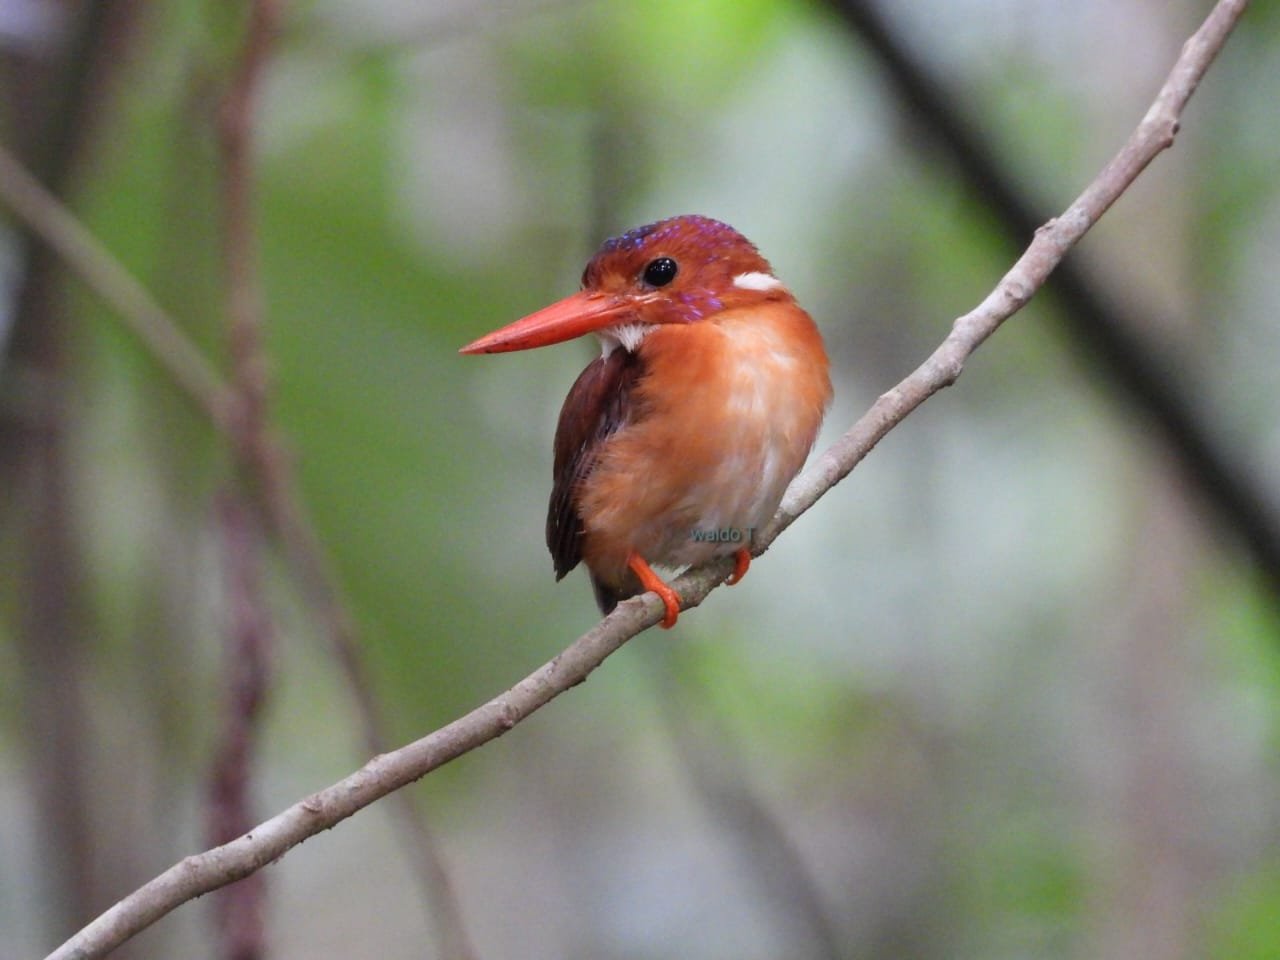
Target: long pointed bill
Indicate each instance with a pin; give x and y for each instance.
(584, 312)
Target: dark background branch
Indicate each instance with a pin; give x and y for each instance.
(56, 106)
(1146, 374)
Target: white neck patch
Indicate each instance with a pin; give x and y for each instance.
(755, 280)
(628, 336)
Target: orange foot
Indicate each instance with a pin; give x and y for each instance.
(652, 582)
(741, 561)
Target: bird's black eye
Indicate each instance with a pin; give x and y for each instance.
(660, 272)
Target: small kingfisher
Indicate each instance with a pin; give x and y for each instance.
(679, 440)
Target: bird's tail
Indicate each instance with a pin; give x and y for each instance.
(608, 597)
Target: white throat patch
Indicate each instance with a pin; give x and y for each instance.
(628, 336)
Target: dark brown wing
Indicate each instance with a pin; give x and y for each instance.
(595, 408)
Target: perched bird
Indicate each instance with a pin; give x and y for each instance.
(676, 444)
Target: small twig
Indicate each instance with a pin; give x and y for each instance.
(48, 219)
(383, 774)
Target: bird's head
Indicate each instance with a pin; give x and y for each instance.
(675, 271)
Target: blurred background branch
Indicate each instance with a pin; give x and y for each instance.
(49, 116)
(63, 234)
(1114, 334)
(241, 909)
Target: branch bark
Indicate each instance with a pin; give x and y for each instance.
(203, 872)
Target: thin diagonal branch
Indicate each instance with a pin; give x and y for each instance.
(48, 219)
(1052, 241)
(1109, 336)
(201, 873)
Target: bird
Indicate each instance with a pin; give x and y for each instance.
(676, 444)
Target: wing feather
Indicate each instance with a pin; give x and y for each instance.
(597, 407)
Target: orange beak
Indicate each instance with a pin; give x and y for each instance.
(585, 312)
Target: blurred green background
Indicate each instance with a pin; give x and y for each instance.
(1008, 691)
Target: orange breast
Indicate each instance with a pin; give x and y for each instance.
(723, 419)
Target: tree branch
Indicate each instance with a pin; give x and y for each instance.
(247, 656)
(241, 909)
(1109, 336)
(1052, 241)
(201, 873)
(46, 217)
